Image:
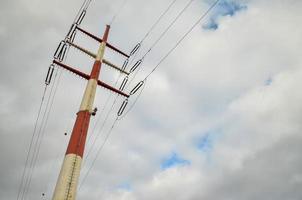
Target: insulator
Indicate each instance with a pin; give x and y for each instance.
(81, 17)
(122, 108)
(135, 66)
(135, 49)
(49, 74)
(62, 53)
(73, 36)
(125, 64)
(137, 87)
(71, 31)
(58, 50)
(124, 83)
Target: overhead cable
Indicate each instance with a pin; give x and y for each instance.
(183, 37)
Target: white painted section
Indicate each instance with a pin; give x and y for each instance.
(101, 52)
(67, 183)
(88, 98)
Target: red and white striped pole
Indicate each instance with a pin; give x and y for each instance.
(67, 182)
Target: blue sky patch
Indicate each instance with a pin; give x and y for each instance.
(205, 143)
(268, 81)
(125, 186)
(173, 160)
(223, 8)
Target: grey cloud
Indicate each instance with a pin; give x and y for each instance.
(272, 173)
(211, 80)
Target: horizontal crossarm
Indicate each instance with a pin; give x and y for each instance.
(94, 56)
(100, 83)
(82, 49)
(114, 66)
(81, 74)
(87, 77)
(100, 40)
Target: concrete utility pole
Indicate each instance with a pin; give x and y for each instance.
(67, 182)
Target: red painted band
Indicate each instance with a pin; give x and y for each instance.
(79, 133)
(83, 75)
(101, 40)
(95, 72)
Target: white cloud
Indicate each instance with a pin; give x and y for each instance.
(215, 80)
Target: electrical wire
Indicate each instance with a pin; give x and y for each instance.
(107, 137)
(106, 117)
(103, 124)
(135, 101)
(151, 29)
(79, 11)
(42, 130)
(162, 34)
(87, 4)
(50, 168)
(98, 119)
(36, 148)
(26, 178)
(31, 142)
(146, 35)
(168, 28)
(118, 12)
(170, 51)
(37, 137)
(183, 37)
(98, 152)
(159, 63)
(145, 79)
(158, 20)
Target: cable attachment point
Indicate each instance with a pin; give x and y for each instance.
(49, 74)
(135, 49)
(137, 87)
(61, 51)
(122, 87)
(135, 66)
(122, 108)
(125, 64)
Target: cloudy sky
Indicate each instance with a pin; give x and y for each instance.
(219, 119)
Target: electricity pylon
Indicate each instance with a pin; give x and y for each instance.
(67, 182)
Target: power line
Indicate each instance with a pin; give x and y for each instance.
(158, 20)
(135, 101)
(182, 38)
(51, 170)
(146, 35)
(98, 152)
(140, 43)
(168, 27)
(163, 33)
(35, 144)
(118, 12)
(106, 117)
(145, 79)
(101, 128)
(42, 130)
(170, 51)
(47, 110)
(98, 119)
(31, 143)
